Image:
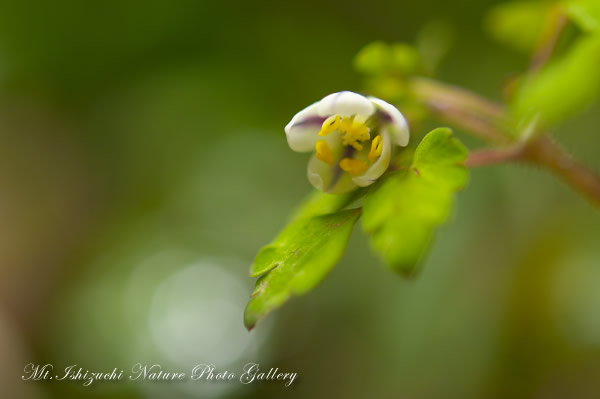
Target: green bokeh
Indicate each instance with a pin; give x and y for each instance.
(151, 133)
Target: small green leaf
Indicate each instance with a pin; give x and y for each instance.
(404, 209)
(381, 58)
(297, 260)
(585, 13)
(563, 88)
(518, 24)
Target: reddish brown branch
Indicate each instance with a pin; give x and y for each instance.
(462, 108)
(494, 156)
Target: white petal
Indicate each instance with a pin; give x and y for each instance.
(302, 131)
(345, 103)
(321, 174)
(397, 124)
(380, 166)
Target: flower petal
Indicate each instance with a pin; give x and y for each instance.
(321, 176)
(380, 166)
(302, 131)
(397, 123)
(345, 103)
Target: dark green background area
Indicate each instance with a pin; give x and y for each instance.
(142, 141)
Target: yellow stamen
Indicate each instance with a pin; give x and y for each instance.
(324, 152)
(353, 132)
(346, 125)
(354, 167)
(376, 148)
(331, 124)
(360, 130)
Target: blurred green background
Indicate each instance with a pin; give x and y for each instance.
(143, 164)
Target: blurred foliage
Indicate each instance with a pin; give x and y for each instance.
(586, 13)
(134, 130)
(564, 87)
(518, 24)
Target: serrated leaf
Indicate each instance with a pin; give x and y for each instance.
(585, 13)
(297, 260)
(563, 88)
(404, 210)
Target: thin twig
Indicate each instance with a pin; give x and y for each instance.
(493, 156)
(462, 108)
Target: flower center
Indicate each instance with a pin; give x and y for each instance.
(354, 132)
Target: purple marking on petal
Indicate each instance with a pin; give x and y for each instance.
(384, 115)
(311, 121)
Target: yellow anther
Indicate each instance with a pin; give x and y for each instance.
(346, 125)
(349, 140)
(360, 130)
(353, 132)
(324, 152)
(354, 167)
(331, 124)
(376, 148)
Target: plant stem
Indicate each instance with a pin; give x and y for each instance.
(475, 114)
(488, 120)
(493, 156)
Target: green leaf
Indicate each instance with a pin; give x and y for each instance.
(585, 13)
(315, 204)
(319, 203)
(405, 209)
(563, 88)
(518, 24)
(297, 260)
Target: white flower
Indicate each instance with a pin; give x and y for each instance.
(352, 137)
